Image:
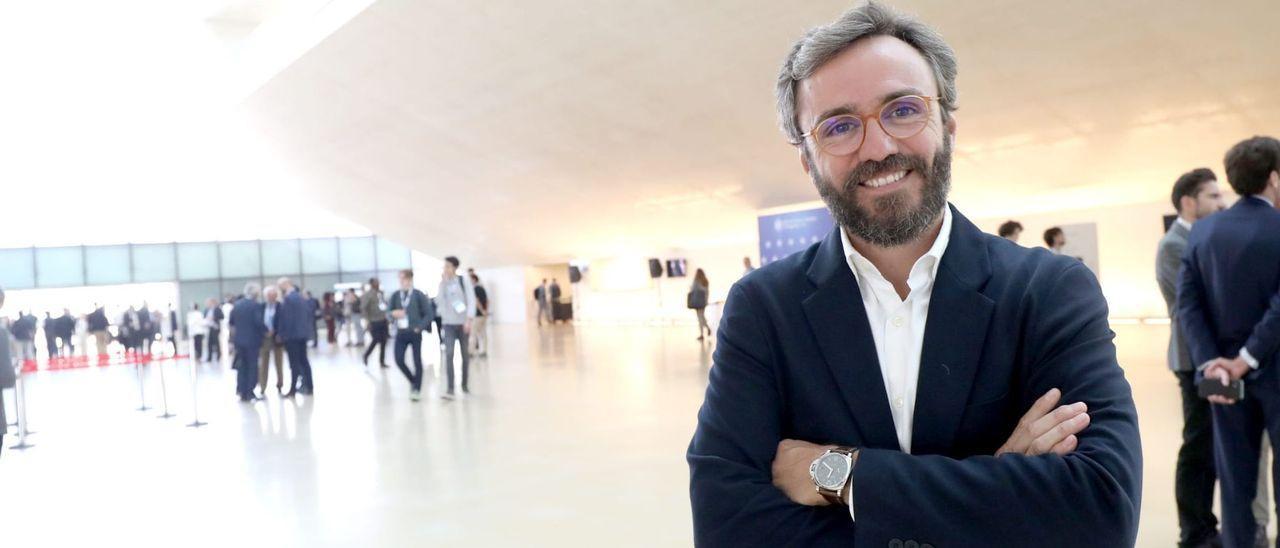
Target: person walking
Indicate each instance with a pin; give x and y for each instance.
(213, 316)
(540, 295)
(479, 328)
(698, 293)
(374, 308)
(196, 330)
(351, 318)
(98, 325)
(331, 314)
(412, 311)
(457, 312)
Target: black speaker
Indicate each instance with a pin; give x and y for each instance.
(655, 268)
(575, 275)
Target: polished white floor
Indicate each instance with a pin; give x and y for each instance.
(575, 437)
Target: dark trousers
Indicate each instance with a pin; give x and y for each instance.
(299, 365)
(1195, 475)
(406, 339)
(52, 343)
(455, 335)
(198, 341)
(378, 330)
(246, 366)
(215, 345)
(1237, 437)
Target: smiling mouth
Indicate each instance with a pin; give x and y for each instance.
(886, 179)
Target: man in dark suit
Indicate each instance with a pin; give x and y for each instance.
(247, 332)
(411, 313)
(213, 320)
(1229, 308)
(296, 323)
(1195, 196)
(897, 384)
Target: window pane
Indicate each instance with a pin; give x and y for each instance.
(59, 266)
(154, 263)
(107, 264)
(196, 292)
(198, 261)
(319, 284)
(240, 260)
(392, 256)
(280, 257)
(319, 256)
(357, 254)
(17, 269)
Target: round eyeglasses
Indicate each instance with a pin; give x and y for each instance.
(900, 118)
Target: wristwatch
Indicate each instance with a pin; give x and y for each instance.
(832, 472)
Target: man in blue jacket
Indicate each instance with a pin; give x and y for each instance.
(247, 332)
(411, 314)
(1229, 306)
(296, 322)
(898, 384)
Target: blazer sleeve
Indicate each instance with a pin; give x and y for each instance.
(1089, 497)
(1168, 263)
(1265, 337)
(1192, 312)
(731, 455)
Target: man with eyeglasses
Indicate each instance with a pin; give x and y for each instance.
(910, 380)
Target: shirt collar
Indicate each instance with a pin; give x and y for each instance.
(1185, 223)
(932, 259)
(1263, 198)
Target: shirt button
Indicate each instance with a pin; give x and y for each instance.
(897, 321)
(897, 403)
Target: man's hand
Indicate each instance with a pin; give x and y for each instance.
(1047, 430)
(1226, 371)
(398, 313)
(791, 471)
(466, 327)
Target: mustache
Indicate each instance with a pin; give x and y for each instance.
(872, 168)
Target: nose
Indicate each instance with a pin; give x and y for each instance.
(876, 144)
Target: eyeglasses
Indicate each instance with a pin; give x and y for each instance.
(900, 118)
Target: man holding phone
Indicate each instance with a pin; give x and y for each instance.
(1229, 310)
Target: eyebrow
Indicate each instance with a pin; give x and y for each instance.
(852, 108)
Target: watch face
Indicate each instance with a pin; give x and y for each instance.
(831, 470)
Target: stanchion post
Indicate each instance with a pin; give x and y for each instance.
(195, 393)
(21, 406)
(164, 394)
(142, 394)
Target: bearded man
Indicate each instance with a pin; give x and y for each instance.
(909, 381)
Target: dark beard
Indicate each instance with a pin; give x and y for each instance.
(897, 223)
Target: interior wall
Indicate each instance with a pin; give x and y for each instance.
(505, 287)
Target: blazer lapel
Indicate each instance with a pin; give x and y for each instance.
(839, 322)
(954, 337)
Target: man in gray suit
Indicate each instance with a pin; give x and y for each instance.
(1195, 195)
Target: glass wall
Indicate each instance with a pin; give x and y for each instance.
(206, 269)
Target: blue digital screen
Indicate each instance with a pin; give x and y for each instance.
(785, 233)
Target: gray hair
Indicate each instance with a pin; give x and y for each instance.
(251, 290)
(821, 44)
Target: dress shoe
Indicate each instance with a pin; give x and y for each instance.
(290, 394)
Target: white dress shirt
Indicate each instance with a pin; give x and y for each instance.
(897, 324)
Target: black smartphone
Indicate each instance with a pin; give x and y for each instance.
(1214, 387)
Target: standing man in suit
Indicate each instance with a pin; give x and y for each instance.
(213, 329)
(248, 329)
(272, 344)
(412, 312)
(296, 323)
(554, 292)
(1229, 308)
(540, 295)
(898, 383)
(1196, 195)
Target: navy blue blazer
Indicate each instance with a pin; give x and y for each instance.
(795, 359)
(1229, 289)
(246, 321)
(295, 318)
